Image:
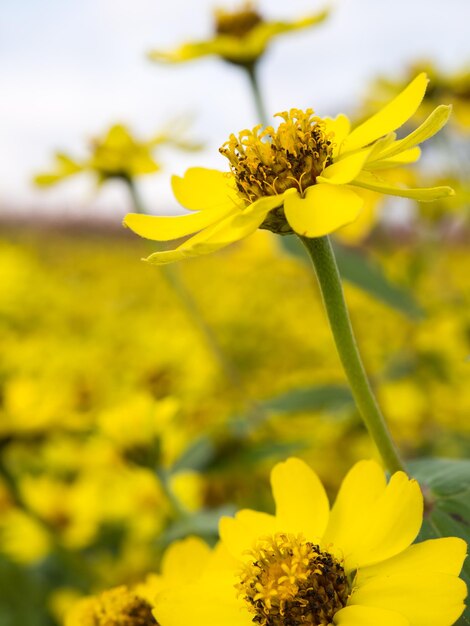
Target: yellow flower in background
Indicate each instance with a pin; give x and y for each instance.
(116, 607)
(301, 178)
(308, 565)
(117, 154)
(240, 36)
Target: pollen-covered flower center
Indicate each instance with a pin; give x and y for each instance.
(268, 162)
(116, 607)
(236, 23)
(291, 582)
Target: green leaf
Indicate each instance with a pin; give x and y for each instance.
(447, 485)
(363, 272)
(331, 398)
(197, 456)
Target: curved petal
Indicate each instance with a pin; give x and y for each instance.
(345, 170)
(203, 189)
(363, 485)
(324, 209)
(213, 601)
(359, 615)
(391, 117)
(163, 228)
(403, 158)
(301, 502)
(184, 560)
(234, 227)
(239, 533)
(427, 599)
(368, 180)
(265, 31)
(445, 556)
(431, 125)
(386, 526)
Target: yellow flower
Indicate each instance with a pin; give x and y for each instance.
(116, 607)
(240, 37)
(307, 565)
(118, 154)
(300, 178)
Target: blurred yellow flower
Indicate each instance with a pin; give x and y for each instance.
(300, 178)
(116, 607)
(308, 565)
(241, 36)
(23, 538)
(117, 154)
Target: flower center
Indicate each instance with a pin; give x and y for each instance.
(116, 607)
(291, 582)
(268, 162)
(236, 23)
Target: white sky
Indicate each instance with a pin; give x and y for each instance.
(69, 69)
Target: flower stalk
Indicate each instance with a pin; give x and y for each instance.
(329, 280)
(252, 74)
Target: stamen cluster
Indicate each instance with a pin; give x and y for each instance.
(236, 23)
(116, 607)
(291, 582)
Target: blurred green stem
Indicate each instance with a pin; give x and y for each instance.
(173, 277)
(252, 72)
(329, 279)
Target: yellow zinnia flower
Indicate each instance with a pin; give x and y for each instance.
(300, 178)
(307, 565)
(241, 36)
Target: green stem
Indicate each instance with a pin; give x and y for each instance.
(252, 74)
(329, 279)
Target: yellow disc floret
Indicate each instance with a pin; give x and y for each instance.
(289, 581)
(267, 162)
(236, 23)
(115, 607)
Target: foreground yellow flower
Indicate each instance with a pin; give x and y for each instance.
(240, 37)
(307, 565)
(118, 154)
(300, 178)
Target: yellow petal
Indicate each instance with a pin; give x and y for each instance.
(389, 524)
(183, 53)
(424, 599)
(368, 180)
(360, 489)
(239, 533)
(345, 170)
(403, 158)
(301, 502)
(159, 228)
(213, 601)
(184, 560)
(358, 615)
(432, 125)
(340, 127)
(222, 233)
(445, 556)
(201, 189)
(324, 209)
(391, 117)
(264, 31)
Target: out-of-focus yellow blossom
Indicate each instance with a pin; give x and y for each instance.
(452, 87)
(300, 178)
(188, 487)
(115, 607)
(22, 538)
(309, 565)
(240, 36)
(117, 154)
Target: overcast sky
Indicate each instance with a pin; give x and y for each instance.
(69, 69)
